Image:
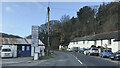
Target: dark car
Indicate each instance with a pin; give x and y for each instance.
(82, 50)
(105, 53)
(115, 56)
(75, 49)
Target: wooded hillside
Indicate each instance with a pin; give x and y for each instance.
(87, 22)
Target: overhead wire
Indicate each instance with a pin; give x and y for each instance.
(46, 8)
(49, 3)
(62, 9)
(43, 5)
(53, 8)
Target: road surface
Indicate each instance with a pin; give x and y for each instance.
(68, 59)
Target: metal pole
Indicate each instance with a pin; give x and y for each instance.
(48, 30)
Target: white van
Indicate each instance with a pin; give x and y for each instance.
(6, 51)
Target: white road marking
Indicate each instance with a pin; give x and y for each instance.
(77, 59)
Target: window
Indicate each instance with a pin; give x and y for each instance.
(23, 48)
(94, 49)
(27, 48)
(107, 50)
(6, 50)
(95, 42)
(76, 42)
(101, 42)
(83, 42)
(87, 42)
(109, 41)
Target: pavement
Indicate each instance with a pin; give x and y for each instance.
(8, 61)
(62, 59)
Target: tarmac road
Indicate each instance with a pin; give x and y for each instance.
(68, 59)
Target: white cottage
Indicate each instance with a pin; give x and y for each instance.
(107, 40)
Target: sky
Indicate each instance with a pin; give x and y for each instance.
(18, 17)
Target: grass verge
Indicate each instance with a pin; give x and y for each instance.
(51, 55)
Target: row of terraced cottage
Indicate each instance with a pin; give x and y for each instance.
(107, 40)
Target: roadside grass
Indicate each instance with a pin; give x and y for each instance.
(51, 55)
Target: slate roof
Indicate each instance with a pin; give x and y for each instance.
(106, 35)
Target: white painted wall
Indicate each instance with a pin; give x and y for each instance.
(32, 50)
(80, 45)
(98, 43)
(86, 44)
(104, 43)
(73, 44)
(115, 45)
(91, 43)
(70, 45)
(42, 48)
(110, 45)
(38, 49)
(14, 50)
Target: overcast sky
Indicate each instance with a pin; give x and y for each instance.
(18, 17)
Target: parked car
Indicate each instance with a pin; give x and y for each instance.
(68, 49)
(86, 52)
(75, 49)
(105, 53)
(115, 56)
(6, 51)
(82, 50)
(94, 51)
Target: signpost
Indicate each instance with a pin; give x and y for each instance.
(35, 41)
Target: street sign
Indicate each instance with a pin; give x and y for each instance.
(35, 35)
(35, 41)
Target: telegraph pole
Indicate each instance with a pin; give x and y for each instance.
(48, 30)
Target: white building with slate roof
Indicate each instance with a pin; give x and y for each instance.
(109, 39)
